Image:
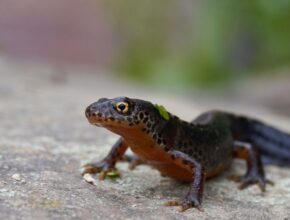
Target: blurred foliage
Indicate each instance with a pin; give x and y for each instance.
(186, 42)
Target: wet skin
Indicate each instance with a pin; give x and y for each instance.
(185, 151)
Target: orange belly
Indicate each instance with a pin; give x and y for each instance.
(172, 170)
(155, 156)
(181, 173)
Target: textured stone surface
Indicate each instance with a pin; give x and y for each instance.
(45, 139)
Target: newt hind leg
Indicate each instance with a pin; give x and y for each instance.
(255, 172)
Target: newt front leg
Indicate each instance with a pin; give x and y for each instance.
(133, 161)
(109, 162)
(194, 196)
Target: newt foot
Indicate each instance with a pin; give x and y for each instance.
(186, 203)
(103, 168)
(248, 180)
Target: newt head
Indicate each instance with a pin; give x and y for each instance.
(122, 113)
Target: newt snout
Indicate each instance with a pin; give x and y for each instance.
(98, 112)
(90, 110)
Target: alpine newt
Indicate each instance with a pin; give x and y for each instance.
(187, 151)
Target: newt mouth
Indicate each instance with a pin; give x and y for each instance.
(97, 124)
(101, 121)
(94, 120)
(94, 116)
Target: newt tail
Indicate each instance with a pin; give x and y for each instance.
(187, 151)
(272, 143)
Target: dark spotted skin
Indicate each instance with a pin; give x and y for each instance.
(207, 143)
(178, 149)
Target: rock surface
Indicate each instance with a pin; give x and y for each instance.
(45, 139)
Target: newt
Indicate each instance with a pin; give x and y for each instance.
(187, 151)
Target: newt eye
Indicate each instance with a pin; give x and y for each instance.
(122, 107)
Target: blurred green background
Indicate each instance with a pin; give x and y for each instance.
(203, 43)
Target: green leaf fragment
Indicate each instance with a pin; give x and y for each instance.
(162, 111)
(113, 174)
